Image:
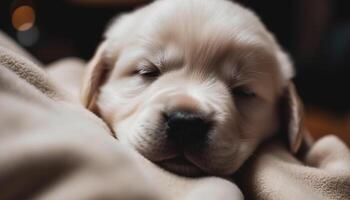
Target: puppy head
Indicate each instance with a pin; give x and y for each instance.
(192, 85)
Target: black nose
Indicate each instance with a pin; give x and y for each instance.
(185, 127)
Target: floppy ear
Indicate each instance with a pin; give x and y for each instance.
(95, 75)
(292, 111)
(292, 115)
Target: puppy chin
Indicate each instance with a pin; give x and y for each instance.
(195, 167)
(181, 166)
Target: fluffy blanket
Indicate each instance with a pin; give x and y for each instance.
(53, 148)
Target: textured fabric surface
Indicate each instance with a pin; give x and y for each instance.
(53, 148)
(273, 173)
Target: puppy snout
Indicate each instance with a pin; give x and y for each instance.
(186, 128)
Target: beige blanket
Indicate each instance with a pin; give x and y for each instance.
(52, 148)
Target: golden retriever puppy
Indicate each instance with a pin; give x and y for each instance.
(193, 85)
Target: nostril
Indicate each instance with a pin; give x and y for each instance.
(186, 127)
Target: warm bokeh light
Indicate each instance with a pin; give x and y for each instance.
(23, 18)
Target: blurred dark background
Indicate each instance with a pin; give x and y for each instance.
(316, 33)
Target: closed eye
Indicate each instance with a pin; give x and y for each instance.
(149, 71)
(243, 92)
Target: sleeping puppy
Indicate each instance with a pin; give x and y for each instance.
(193, 85)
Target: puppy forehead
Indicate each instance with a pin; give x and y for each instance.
(198, 33)
(204, 26)
(188, 21)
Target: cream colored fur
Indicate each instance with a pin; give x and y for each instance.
(205, 50)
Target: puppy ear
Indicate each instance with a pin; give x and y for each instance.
(291, 108)
(94, 77)
(292, 115)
